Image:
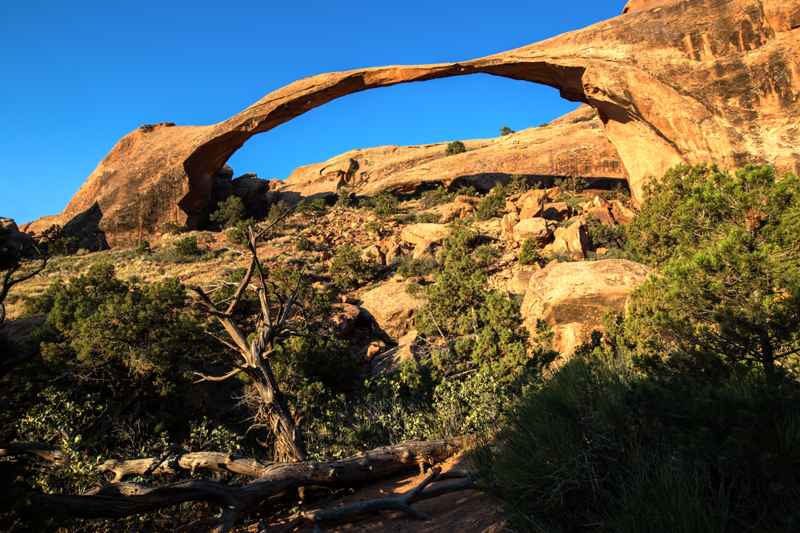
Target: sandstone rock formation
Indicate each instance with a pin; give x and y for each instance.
(572, 298)
(686, 81)
(570, 242)
(391, 307)
(574, 145)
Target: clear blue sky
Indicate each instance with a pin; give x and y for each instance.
(77, 75)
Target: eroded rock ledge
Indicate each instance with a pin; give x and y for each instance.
(690, 81)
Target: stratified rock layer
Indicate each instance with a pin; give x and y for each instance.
(573, 145)
(691, 81)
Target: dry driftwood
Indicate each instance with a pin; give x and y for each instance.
(119, 500)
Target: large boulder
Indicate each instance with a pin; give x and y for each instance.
(392, 307)
(573, 298)
(570, 242)
(535, 229)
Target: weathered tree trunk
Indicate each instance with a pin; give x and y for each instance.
(119, 500)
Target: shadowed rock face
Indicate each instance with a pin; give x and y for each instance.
(691, 81)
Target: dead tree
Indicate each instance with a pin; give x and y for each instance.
(253, 358)
(11, 276)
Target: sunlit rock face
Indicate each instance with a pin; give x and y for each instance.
(687, 81)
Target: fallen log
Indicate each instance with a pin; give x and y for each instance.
(118, 500)
(398, 502)
(42, 451)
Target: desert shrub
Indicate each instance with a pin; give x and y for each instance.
(729, 291)
(485, 255)
(345, 197)
(278, 210)
(316, 206)
(170, 228)
(529, 252)
(493, 204)
(384, 204)
(505, 130)
(603, 444)
(304, 244)
(186, 247)
(605, 236)
(574, 184)
(348, 270)
(143, 248)
(229, 212)
(434, 197)
(410, 267)
(237, 234)
(455, 147)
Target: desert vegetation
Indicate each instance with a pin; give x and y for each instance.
(266, 365)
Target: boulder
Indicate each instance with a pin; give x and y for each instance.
(424, 234)
(343, 318)
(621, 213)
(536, 229)
(518, 283)
(570, 242)
(459, 209)
(573, 298)
(531, 203)
(391, 307)
(389, 360)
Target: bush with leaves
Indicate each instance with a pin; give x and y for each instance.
(505, 130)
(602, 443)
(410, 267)
(348, 270)
(604, 235)
(455, 147)
(529, 252)
(493, 204)
(434, 197)
(728, 295)
(384, 204)
(229, 212)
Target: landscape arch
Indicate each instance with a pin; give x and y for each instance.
(692, 81)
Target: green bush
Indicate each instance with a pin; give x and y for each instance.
(229, 212)
(384, 204)
(186, 247)
(410, 267)
(238, 233)
(605, 236)
(505, 130)
(603, 444)
(455, 147)
(728, 295)
(493, 204)
(143, 248)
(348, 270)
(529, 252)
(439, 195)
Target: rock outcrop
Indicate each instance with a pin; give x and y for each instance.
(687, 81)
(392, 307)
(14, 244)
(572, 298)
(574, 145)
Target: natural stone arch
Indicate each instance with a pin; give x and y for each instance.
(690, 81)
